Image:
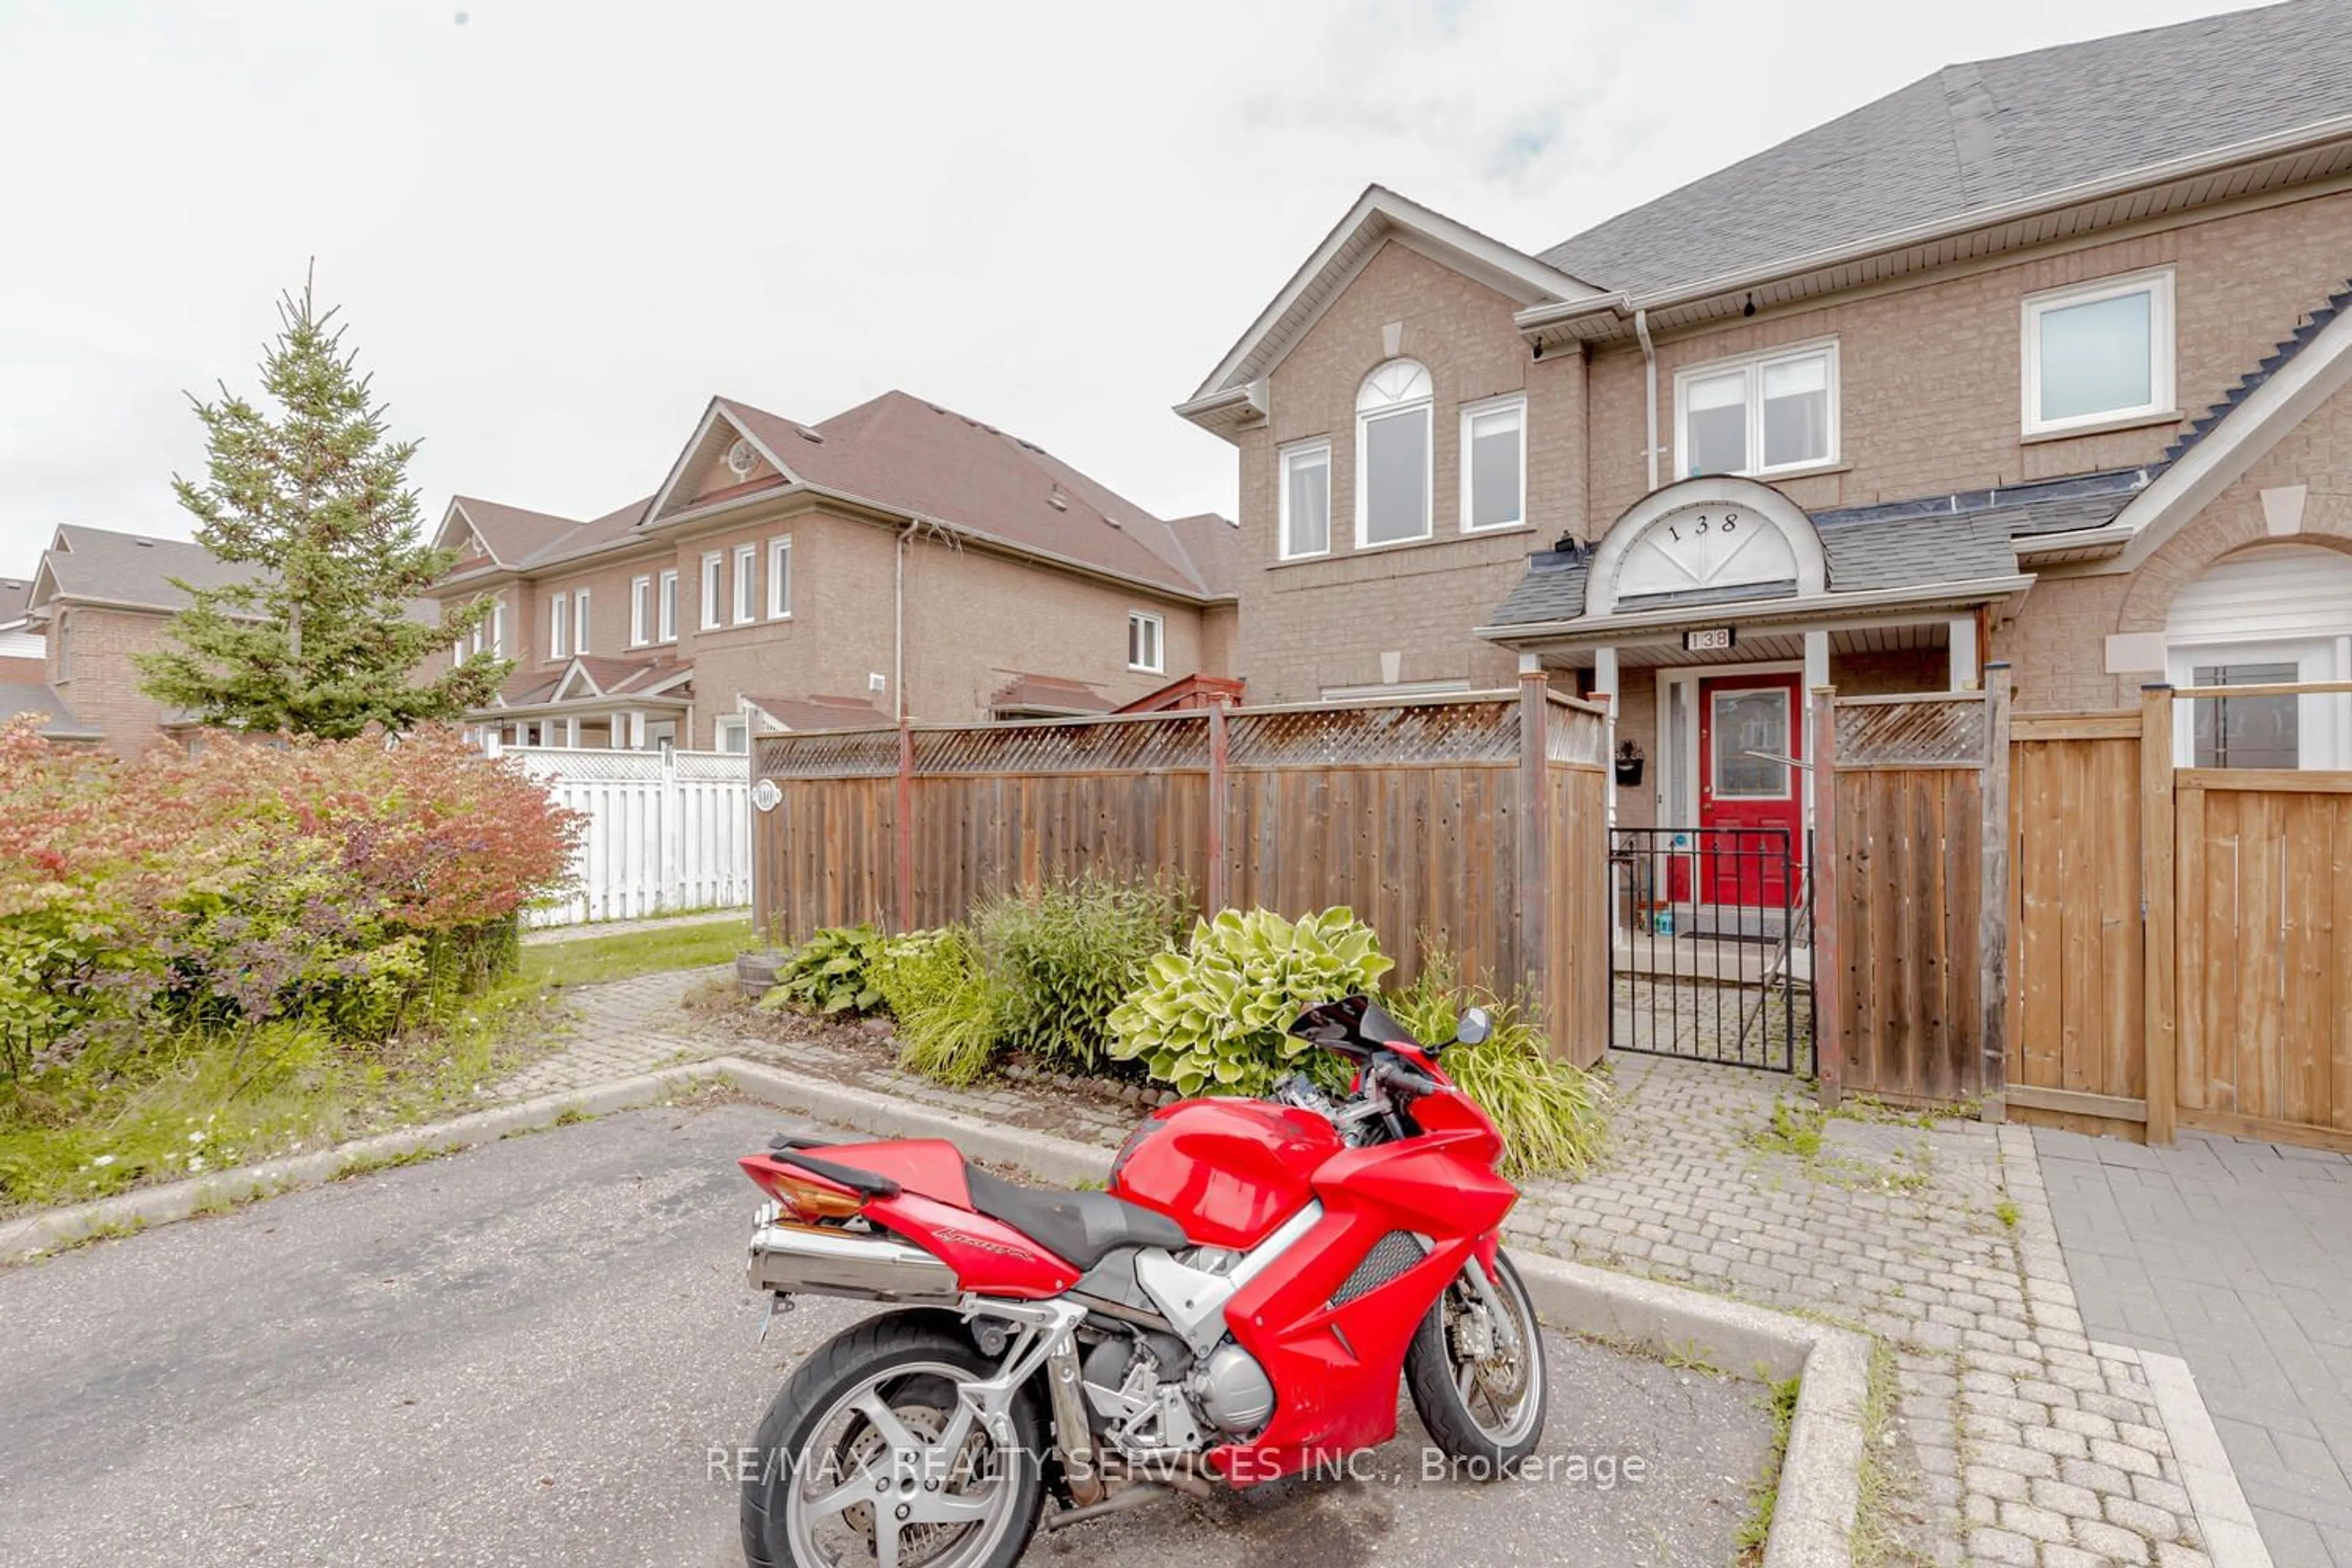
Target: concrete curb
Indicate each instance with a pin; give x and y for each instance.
(1812, 1522)
(2233, 1539)
(1821, 1484)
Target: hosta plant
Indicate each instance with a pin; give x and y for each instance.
(832, 972)
(1214, 1018)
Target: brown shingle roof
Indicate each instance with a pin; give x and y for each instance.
(1048, 692)
(818, 713)
(1214, 545)
(512, 533)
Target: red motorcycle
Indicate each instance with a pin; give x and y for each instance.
(1238, 1306)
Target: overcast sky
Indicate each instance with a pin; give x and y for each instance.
(556, 228)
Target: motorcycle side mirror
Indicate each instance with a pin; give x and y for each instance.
(1476, 1025)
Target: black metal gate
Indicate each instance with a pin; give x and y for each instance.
(1711, 945)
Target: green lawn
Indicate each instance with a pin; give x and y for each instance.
(588, 959)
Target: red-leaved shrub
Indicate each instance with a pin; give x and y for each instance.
(348, 880)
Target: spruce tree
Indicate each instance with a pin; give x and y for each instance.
(312, 494)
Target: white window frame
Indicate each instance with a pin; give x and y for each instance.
(641, 610)
(499, 626)
(714, 583)
(1753, 366)
(730, 722)
(665, 607)
(559, 624)
(1320, 448)
(580, 622)
(1425, 405)
(2157, 285)
(747, 583)
(779, 577)
(1159, 625)
(1516, 403)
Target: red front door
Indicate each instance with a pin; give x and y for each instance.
(1749, 798)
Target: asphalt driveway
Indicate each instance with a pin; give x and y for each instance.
(529, 1353)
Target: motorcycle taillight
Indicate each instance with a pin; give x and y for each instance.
(803, 1197)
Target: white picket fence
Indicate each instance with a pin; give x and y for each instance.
(666, 830)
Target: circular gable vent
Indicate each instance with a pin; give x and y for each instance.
(741, 459)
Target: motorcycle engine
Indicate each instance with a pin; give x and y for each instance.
(1153, 1397)
(1232, 1390)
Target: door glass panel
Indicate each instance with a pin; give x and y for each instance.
(1743, 723)
(2247, 732)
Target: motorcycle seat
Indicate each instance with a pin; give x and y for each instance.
(1080, 1227)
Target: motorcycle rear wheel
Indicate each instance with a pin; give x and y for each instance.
(1484, 1405)
(873, 1406)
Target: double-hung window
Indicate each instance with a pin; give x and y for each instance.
(779, 577)
(2098, 354)
(1764, 414)
(499, 628)
(1493, 464)
(641, 598)
(1144, 652)
(747, 582)
(669, 627)
(1393, 415)
(713, 566)
(1307, 500)
(580, 622)
(559, 630)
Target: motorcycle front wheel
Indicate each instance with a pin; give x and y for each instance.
(868, 1456)
(1479, 1391)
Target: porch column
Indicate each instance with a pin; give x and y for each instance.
(1965, 676)
(1604, 686)
(637, 729)
(572, 732)
(1817, 680)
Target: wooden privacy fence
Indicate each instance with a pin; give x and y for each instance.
(1476, 821)
(1910, 952)
(666, 830)
(2180, 938)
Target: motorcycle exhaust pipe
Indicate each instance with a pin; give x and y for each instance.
(1131, 1496)
(792, 1259)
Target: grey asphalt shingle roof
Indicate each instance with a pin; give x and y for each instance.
(1981, 133)
(57, 721)
(1953, 538)
(133, 568)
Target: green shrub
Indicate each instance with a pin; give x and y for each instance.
(1215, 1017)
(1068, 955)
(948, 1008)
(832, 972)
(1552, 1116)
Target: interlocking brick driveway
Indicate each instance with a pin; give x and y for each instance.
(2236, 1257)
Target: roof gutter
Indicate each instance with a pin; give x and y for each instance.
(2336, 127)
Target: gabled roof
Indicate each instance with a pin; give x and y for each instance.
(99, 565)
(1983, 134)
(1229, 393)
(1213, 544)
(510, 533)
(15, 597)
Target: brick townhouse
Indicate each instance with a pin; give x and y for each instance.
(2038, 358)
(896, 557)
(97, 600)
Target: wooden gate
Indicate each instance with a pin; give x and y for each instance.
(2264, 919)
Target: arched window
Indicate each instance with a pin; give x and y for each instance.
(1393, 420)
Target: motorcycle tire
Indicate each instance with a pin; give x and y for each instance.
(1486, 1447)
(863, 1358)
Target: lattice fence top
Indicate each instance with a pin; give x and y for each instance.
(1161, 744)
(830, 754)
(587, 764)
(1944, 730)
(1403, 735)
(705, 767)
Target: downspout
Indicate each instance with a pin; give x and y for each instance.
(1650, 384)
(898, 648)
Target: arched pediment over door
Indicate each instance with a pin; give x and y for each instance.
(1718, 537)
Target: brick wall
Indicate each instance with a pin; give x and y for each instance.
(102, 686)
(1314, 624)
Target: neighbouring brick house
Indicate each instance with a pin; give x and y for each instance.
(896, 557)
(97, 600)
(2039, 358)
